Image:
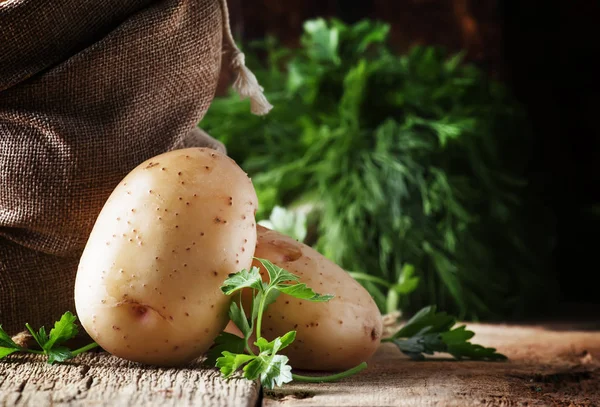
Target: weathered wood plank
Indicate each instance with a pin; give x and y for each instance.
(99, 379)
(546, 368)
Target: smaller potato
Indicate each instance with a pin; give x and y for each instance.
(334, 335)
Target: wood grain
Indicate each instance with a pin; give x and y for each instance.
(98, 379)
(547, 367)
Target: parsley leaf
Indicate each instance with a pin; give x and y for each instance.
(228, 352)
(467, 350)
(50, 344)
(230, 362)
(457, 335)
(64, 329)
(429, 331)
(4, 351)
(258, 364)
(6, 341)
(426, 318)
(58, 354)
(276, 344)
(7, 345)
(272, 369)
(303, 292)
(40, 337)
(277, 275)
(224, 342)
(418, 345)
(237, 315)
(277, 372)
(242, 279)
(43, 336)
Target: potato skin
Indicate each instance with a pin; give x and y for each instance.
(148, 282)
(334, 335)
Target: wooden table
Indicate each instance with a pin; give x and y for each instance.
(547, 367)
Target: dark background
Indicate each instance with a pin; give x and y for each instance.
(546, 53)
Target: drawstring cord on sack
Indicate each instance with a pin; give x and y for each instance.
(245, 84)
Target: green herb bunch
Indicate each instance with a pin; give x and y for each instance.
(415, 159)
(51, 345)
(426, 333)
(231, 352)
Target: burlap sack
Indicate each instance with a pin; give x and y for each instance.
(88, 90)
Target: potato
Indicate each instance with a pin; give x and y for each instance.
(333, 335)
(148, 282)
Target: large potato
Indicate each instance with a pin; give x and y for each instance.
(333, 335)
(147, 287)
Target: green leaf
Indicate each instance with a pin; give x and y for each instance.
(253, 370)
(230, 362)
(419, 344)
(268, 347)
(277, 372)
(321, 40)
(353, 97)
(41, 340)
(457, 335)
(224, 342)
(426, 318)
(64, 329)
(243, 279)
(238, 316)
(429, 332)
(454, 61)
(472, 351)
(272, 370)
(4, 351)
(276, 344)
(5, 340)
(407, 282)
(58, 354)
(43, 336)
(303, 292)
(377, 33)
(287, 339)
(277, 275)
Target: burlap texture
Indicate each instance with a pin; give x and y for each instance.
(88, 90)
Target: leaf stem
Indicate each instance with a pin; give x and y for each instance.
(392, 301)
(84, 348)
(34, 335)
(261, 307)
(37, 352)
(331, 378)
(249, 349)
(246, 335)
